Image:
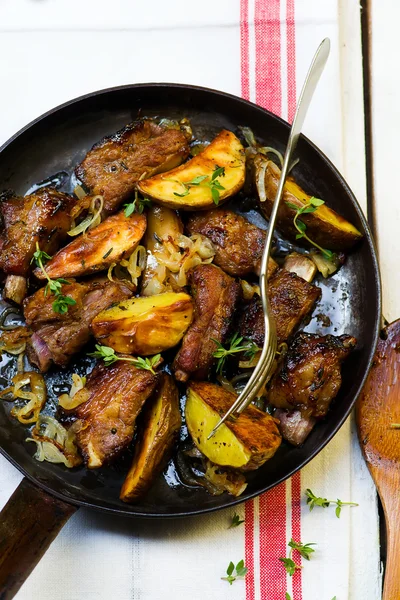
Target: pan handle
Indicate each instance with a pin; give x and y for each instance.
(29, 522)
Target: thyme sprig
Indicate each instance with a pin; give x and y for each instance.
(109, 357)
(138, 205)
(54, 286)
(212, 182)
(236, 521)
(313, 500)
(234, 573)
(310, 207)
(304, 550)
(236, 345)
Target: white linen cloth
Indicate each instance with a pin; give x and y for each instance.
(54, 50)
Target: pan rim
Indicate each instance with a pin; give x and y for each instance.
(125, 510)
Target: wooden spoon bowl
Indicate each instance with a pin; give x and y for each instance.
(378, 413)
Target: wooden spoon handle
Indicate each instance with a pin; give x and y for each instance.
(387, 486)
(29, 522)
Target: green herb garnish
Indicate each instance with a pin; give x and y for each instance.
(310, 207)
(61, 303)
(288, 596)
(235, 345)
(236, 521)
(138, 205)
(305, 551)
(213, 183)
(394, 425)
(313, 500)
(234, 573)
(109, 357)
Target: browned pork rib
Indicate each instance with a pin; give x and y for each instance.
(42, 217)
(216, 297)
(115, 164)
(310, 376)
(291, 299)
(112, 399)
(239, 244)
(295, 427)
(57, 337)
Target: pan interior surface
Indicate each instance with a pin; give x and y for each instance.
(58, 141)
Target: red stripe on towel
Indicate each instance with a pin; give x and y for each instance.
(244, 48)
(291, 59)
(249, 549)
(296, 531)
(268, 55)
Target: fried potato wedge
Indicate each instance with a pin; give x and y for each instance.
(324, 226)
(145, 325)
(161, 424)
(112, 240)
(244, 444)
(178, 188)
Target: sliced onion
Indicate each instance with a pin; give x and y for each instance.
(92, 220)
(260, 181)
(79, 192)
(249, 290)
(68, 401)
(135, 264)
(54, 443)
(270, 150)
(36, 397)
(326, 266)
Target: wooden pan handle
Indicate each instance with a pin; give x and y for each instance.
(29, 522)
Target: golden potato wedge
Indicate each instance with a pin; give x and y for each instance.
(174, 188)
(112, 240)
(161, 424)
(324, 226)
(244, 444)
(145, 325)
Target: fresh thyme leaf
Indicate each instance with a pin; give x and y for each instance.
(109, 357)
(310, 207)
(301, 226)
(288, 596)
(185, 193)
(292, 206)
(129, 208)
(234, 573)
(218, 172)
(313, 500)
(215, 195)
(316, 201)
(138, 205)
(394, 425)
(39, 255)
(236, 521)
(290, 566)
(235, 346)
(197, 180)
(305, 550)
(61, 304)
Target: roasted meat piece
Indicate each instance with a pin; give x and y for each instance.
(42, 217)
(291, 299)
(295, 426)
(310, 375)
(239, 244)
(57, 337)
(115, 164)
(216, 297)
(115, 238)
(111, 401)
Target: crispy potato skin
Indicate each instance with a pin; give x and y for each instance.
(310, 375)
(239, 244)
(160, 427)
(56, 338)
(254, 429)
(324, 226)
(114, 165)
(42, 217)
(112, 399)
(291, 299)
(224, 151)
(145, 325)
(216, 297)
(114, 239)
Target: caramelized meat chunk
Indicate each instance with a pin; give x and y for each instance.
(291, 299)
(216, 297)
(111, 401)
(239, 244)
(42, 217)
(117, 162)
(114, 239)
(295, 427)
(57, 337)
(310, 376)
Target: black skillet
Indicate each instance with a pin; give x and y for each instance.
(56, 142)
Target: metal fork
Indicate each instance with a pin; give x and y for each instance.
(261, 372)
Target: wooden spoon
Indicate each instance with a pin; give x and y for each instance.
(377, 412)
